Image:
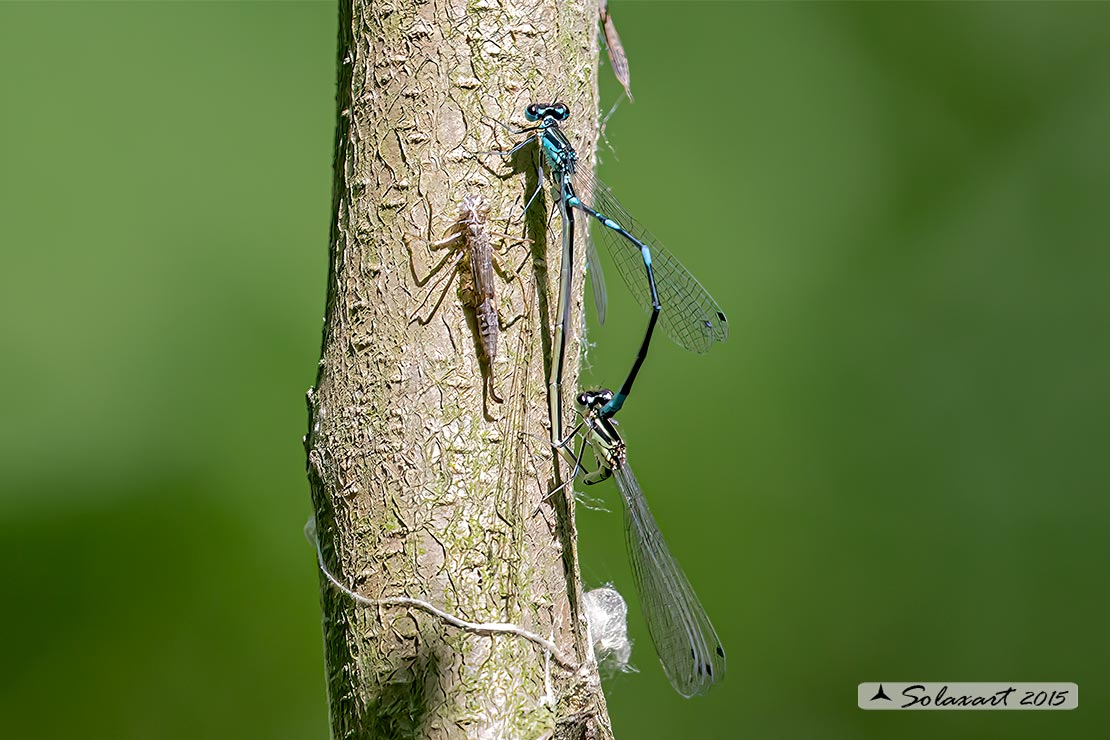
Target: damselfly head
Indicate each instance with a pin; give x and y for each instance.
(540, 111)
(595, 399)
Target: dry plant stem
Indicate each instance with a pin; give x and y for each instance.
(419, 495)
(485, 629)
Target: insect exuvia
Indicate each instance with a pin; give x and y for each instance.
(469, 239)
(684, 638)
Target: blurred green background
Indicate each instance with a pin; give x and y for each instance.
(896, 468)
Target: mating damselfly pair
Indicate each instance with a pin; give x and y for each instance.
(684, 638)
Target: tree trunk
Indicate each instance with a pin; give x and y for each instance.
(423, 485)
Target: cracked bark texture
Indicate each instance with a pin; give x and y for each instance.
(421, 486)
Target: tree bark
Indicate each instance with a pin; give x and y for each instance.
(424, 488)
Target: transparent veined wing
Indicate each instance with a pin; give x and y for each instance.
(597, 281)
(690, 316)
(685, 641)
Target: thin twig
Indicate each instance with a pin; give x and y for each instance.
(485, 629)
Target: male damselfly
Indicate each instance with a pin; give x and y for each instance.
(675, 298)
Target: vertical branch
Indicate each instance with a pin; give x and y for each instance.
(422, 489)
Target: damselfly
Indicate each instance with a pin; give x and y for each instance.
(689, 315)
(468, 238)
(684, 638)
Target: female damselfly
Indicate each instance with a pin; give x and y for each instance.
(675, 298)
(684, 638)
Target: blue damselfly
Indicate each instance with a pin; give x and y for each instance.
(675, 298)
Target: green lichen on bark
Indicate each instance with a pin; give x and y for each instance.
(421, 489)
